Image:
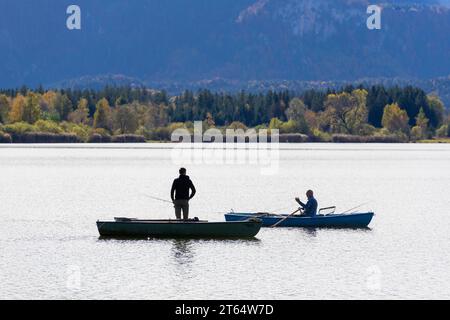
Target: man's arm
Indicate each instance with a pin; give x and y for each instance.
(172, 191)
(300, 203)
(193, 190)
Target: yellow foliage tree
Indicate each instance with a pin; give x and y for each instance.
(4, 108)
(153, 115)
(49, 101)
(395, 119)
(102, 116)
(17, 106)
(347, 111)
(235, 125)
(81, 114)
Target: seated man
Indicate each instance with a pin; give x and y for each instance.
(310, 208)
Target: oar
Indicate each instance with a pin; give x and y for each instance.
(274, 225)
(263, 214)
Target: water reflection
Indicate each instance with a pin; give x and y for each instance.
(182, 250)
(311, 232)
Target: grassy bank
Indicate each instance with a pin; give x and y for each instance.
(435, 140)
(48, 137)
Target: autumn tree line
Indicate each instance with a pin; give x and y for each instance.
(125, 114)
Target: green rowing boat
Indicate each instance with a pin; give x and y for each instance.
(135, 228)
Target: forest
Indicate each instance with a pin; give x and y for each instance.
(127, 114)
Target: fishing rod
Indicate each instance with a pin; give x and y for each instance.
(355, 207)
(279, 209)
(167, 201)
(155, 198)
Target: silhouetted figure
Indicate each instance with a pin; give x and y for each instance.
(310, 207)
(180, 194)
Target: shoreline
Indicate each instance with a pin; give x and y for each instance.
(3, 144)
(70, 138)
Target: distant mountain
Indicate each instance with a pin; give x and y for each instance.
(438, 86)
(204, 41)
(98, 82)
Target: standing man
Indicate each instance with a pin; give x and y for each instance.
(310, 208)
(180, 194)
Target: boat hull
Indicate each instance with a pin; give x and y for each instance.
(243, 228)
(354, 220)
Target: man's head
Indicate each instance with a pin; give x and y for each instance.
(182, 171)
(309, 194)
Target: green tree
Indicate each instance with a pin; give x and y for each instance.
(395, 120)
(296, 109)
(420, 130)
(437, 111)
(377, 99)
(4, 108)
(275, 123)
(290, 126)
(63, 106)
(296, 116)
(31, 109)
(120, 101)
(422, 120)
(102, 116)
(443, 131)
(48, 126)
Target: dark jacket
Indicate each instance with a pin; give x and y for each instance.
(180, 188)
(310, 208)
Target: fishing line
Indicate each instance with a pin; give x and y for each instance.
(355, 207)
(167, 201)
(279, 209)
(155, 198)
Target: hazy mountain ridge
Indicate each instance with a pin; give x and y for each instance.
(155, 41)
(439, 86)
(330, 40)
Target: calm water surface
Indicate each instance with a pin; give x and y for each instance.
(51, 196)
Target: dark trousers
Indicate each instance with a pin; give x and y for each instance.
(181, 205)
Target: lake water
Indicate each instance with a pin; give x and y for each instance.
(51, 196)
